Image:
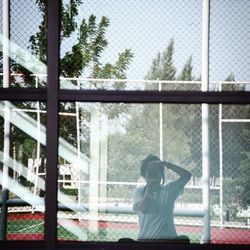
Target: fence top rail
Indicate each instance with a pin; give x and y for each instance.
(135, 80)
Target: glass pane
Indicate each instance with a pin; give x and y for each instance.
(118, 45)
(229, 44)
(22, 170)
(100, 154)
(27, 43)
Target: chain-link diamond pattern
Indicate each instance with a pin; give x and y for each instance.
(129, 138)
(229, 36)
(113, 44)
(25, 222)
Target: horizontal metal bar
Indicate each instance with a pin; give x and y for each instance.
(32, 94)
(113, 209)
(235, 120)
(103, 208)
(87, 79)
(23, 94)
(123, 244)
(228, 97)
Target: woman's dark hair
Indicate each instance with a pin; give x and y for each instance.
(144, 166)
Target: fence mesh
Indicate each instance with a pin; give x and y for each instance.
(28, 35)
(128, 139)
(108, 45)
(22, 165)
(228, 33)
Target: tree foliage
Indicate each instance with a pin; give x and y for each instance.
(187, 71)
(142, 128)
(162, 67)
(182, 140)
(82, 57)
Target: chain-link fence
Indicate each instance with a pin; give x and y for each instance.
(113, 45)
(120, 145)
(126, 139)
(27, 30)
(26, 145)
(229, 40)
(23, 132)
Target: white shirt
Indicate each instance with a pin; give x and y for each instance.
(158, 223)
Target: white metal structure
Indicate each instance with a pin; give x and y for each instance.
(205, 118)
(38, 132)
(221, 121)
(6, 79)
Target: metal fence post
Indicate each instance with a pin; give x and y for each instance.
(6, 79)
(205, 122)
(3, 216)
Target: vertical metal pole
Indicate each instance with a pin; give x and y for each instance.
(94, 168)
(160, 125)
(78, 133)
(205, 122)
(6, 79)
(221, 162)
(53, 57)
(78, 184)
(6, 35)
(3, 217)
(38, 145)
(78, 151)
(103, 158)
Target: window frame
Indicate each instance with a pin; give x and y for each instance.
(53, 95)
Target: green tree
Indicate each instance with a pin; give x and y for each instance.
(187, 71)
(244, 180)
(231, 157)
(236, 153)
(86, 53)
(127, 149)
(142, 126)
(237, 186)
(81, 57)
(162, 67)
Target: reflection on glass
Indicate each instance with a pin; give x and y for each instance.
(154, 202)
(141, 45)
(229, 47)
(130, 45)
(22, 172)
(23, 51)
(100, 153)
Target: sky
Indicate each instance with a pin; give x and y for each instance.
(147, 26)
(230, 38)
